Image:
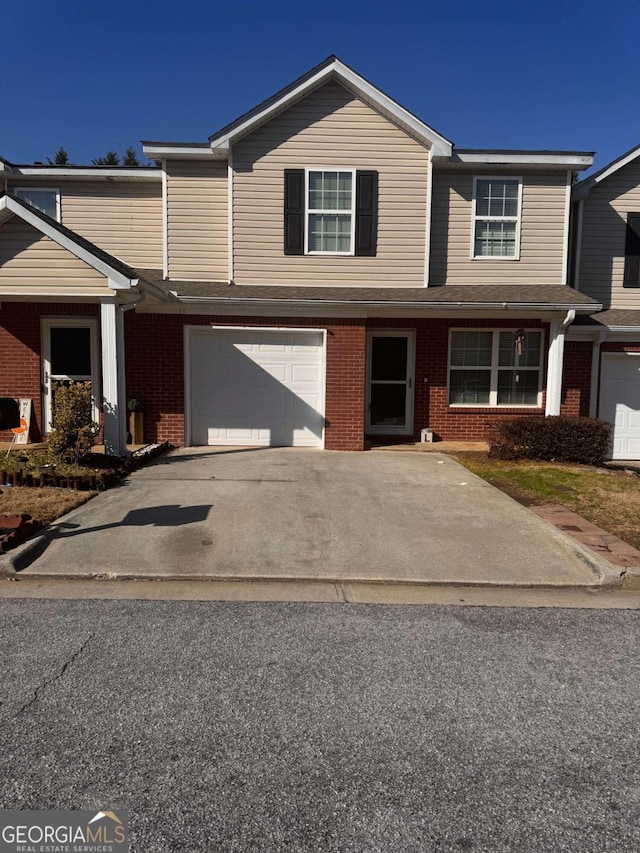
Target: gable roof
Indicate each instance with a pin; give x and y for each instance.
(331, 69)
(583, 188)
(120, 275)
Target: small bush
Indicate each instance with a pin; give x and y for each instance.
(586, 441)
(74, 431)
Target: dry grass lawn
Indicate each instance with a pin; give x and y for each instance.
(610, 499)
(44, 505)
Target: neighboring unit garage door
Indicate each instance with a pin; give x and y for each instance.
(620, 402)
(256, 387)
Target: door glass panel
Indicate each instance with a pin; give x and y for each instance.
(388, 404)
(389, 359)
(71, 351)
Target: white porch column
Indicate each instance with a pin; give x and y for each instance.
(113, 383)
(555, 363)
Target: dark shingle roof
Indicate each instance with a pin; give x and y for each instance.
(612, 317)
(454, 295)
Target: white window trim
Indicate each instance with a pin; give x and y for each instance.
(55, 190)
(307, 211)
(475, 218)
(494, 368)
(47, 323)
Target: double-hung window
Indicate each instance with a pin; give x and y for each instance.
(496, 218)
(45, 200)
(495, 367)
(330, 211)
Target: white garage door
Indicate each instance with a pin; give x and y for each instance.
(620, 402)
(257, 387)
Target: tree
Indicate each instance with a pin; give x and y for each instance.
(109, 159)
(130, 158)
(61, 158)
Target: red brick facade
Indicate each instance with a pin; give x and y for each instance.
(155, 371)
(20, 352)
(432, 353)
(154, 346)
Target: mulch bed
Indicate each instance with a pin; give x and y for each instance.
(97, 481)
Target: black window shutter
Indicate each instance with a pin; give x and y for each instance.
(632, 252)
(366, 213)
(294, 211)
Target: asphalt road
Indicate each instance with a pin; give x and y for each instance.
(325, 727)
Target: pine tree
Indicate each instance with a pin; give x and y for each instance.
(109, 159)
(61, 158)
(130, 158)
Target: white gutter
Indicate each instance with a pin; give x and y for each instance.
(480, 306)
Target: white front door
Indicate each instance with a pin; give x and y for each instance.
(390, 373)
(255, 387)
(620, 402)
(69, 354)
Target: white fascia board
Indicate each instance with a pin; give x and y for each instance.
(146, 173)
(167, 151)
(117, 280)
(440, 146)
(497, 158)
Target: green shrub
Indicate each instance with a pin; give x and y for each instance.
(74, 431)
(555, 439)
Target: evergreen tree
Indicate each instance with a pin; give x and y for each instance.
(109, 159)
(61, 158)
(130, 158)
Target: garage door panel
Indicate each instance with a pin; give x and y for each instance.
(620, 403)
(257, 388)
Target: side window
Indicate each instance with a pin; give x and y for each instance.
(45, 200)
(632, 252)
(496, 218)
(330, 212)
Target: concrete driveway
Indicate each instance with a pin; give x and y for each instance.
(307, 514)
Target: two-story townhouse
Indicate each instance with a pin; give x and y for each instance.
(606, 266)
(323, 271)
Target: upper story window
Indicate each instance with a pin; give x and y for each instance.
(45, 200)
(496, 218)
(632, 252)
(495, 367)
(330, 212)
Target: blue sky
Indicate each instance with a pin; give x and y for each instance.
(94, 76)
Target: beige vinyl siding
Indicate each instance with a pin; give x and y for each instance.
(33, 263)
(122, 218)
(542, 231)
(604, 227)
(197, 220)
(329, 128)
